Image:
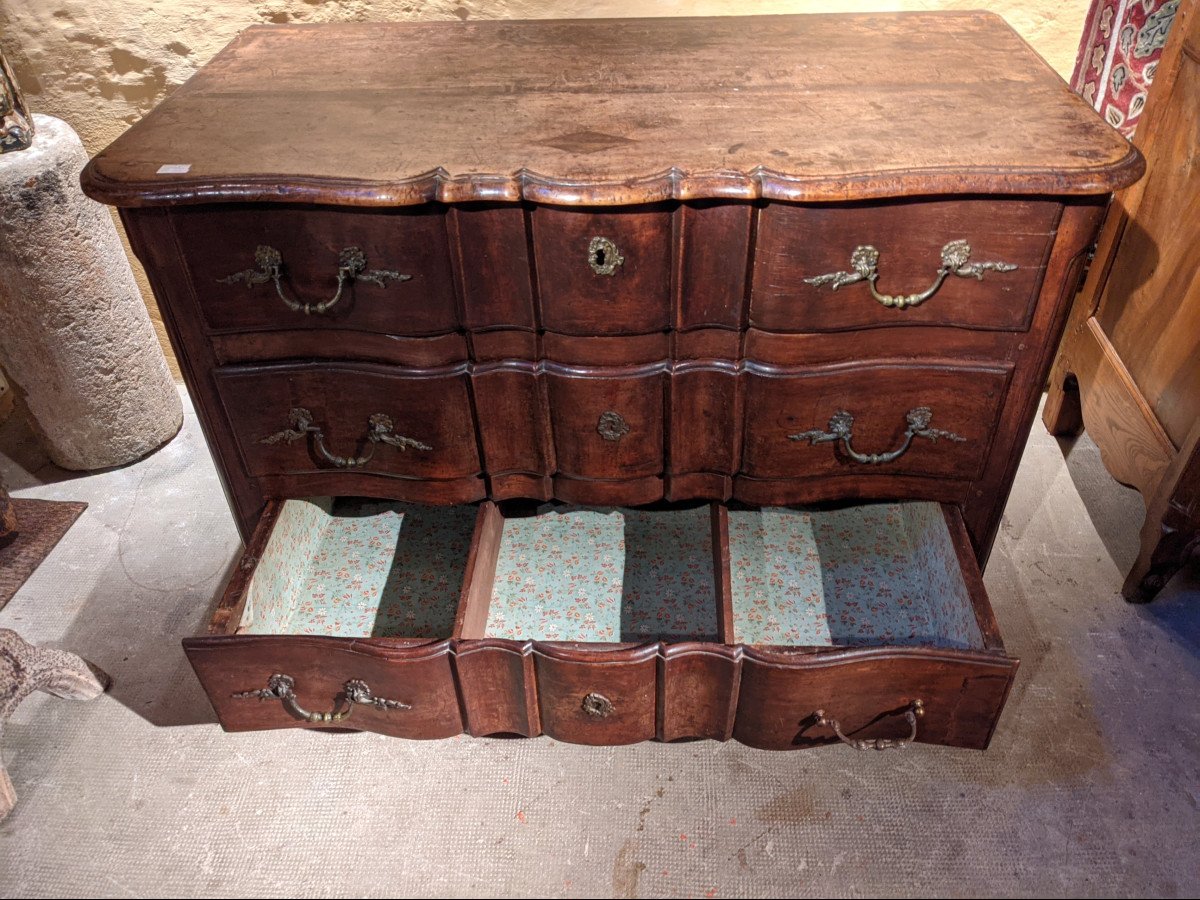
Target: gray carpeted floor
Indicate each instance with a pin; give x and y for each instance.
(1091, 787)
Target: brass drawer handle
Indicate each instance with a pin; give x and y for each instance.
(352, 265)
(914, 710)
(597, 706)
(604, 257)
(865, 258)
(379, 431)
(841, 429)
(355, 691)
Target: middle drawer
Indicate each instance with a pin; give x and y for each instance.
(614, 435)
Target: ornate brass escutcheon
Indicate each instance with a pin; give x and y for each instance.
(355, 691)
(597, 706)
(911, 714)
(379, 431)
(352, 266)
(604, 257)
(956, 257)
(841, 429)
(612, 426)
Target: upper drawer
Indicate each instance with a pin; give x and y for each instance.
(961, 263)
(263, 267)
(604, 272)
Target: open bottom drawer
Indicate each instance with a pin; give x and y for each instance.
(781, 628)
(340, 614)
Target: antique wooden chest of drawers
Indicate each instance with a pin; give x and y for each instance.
(616, 380)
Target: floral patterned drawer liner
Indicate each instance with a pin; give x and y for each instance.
(883, 573)
(356, 568)
(600, 575)
(876, 574)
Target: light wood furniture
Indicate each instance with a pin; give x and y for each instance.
(624, 263)
(1129, 366)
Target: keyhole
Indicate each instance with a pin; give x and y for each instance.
(603, 256)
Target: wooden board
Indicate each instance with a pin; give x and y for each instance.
(817, 107)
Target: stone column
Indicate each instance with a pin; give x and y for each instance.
(75, 338)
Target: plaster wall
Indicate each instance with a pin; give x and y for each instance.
(102, 64)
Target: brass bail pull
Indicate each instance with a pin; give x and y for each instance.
(379, 431)
(915, 710)
(864, 261)
(355, 691)
(352, 266)
(841, 429)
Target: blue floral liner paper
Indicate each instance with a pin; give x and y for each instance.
(578, 574)
(884, 573)
(361, 569)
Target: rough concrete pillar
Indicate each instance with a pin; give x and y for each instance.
(75, 338)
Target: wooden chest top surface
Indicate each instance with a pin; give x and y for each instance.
(802, 108)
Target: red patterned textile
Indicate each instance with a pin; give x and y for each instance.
(1118, 55)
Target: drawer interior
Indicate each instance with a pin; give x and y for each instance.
(348, 567)
(569, 573)
(874, 574)
(856, 576)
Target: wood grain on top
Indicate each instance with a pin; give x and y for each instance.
(813, 107)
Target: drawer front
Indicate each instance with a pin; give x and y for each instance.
(237, 672)
(497, 682)
(402, 286)
(811, 275)
(953, 693)
(351, 418)
(699, 691)
(603, 273)
(705, 431)
(868, 692)
(696, 692)
(871, 418)
(598, 697)
(607, 424)
(514, 428)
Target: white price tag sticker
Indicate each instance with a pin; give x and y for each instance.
(175, 169)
